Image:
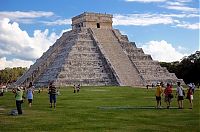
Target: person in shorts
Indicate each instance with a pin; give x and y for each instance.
(52, 95)
(179, 92)
(29, 93)
(168, 95)
(159, 91)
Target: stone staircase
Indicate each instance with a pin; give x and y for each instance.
(126, 72)
(85, 64)
(150, 70)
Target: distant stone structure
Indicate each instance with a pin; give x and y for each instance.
(93, 53)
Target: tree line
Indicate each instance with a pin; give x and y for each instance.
(10, 75)
(188, 69)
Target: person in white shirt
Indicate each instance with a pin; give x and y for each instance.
(179, 92)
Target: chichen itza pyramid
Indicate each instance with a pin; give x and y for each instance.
(93, 53)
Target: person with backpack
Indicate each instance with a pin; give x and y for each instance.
(180, 93)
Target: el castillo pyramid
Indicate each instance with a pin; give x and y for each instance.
(93, 53)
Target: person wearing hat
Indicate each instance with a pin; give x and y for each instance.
(19, 99)
(159, 91)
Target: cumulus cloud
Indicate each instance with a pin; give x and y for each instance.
(14, 63)
(145, 1)
(162, 51)
(17, 46)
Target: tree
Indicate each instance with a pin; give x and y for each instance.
(188, 69)
(9, 75)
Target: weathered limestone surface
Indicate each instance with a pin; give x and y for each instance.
(93, 53)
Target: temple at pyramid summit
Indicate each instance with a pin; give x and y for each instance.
(93, 53)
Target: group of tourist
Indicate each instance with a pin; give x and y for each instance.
(19, 96)
(167, 91)
(180, 93)
(76, 88)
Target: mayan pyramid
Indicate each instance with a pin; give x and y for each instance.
(93, 53)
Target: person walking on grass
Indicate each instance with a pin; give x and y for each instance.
(52, 95)
(78, 88)
(29, 93)
(168, 95)
(190, 96)
(19, 99)
(74, 88)
(159, 91)
(179, 92)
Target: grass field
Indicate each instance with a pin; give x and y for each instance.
(100, 109)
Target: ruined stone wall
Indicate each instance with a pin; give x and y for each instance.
(90, 20)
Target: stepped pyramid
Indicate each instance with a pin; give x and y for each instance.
(93, 53)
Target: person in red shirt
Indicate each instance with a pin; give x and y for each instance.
(168, 95)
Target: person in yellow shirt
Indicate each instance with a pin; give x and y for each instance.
(159, 92)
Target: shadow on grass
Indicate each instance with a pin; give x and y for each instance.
(132, 107)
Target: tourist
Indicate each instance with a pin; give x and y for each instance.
(52, 94)
(74, 88)
(158, 95)
(29, 93)
(193, 88)
(39, 90)
(168, 95)
(179, 92)
(147, 86)
(78, 88)
(190, 95)
(19, 99)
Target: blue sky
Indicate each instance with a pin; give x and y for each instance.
(166, 29)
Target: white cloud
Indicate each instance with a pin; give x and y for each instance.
(175, 3)
(176, 20)
(58, 22)
(30, 17)
(194, 26)
(162, 51)
(142, 19)
(17, 46)
(25, 17)
(145, 1)
(181, 8)
(14, 63)
(180, 5)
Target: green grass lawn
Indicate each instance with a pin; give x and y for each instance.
(117, 109)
